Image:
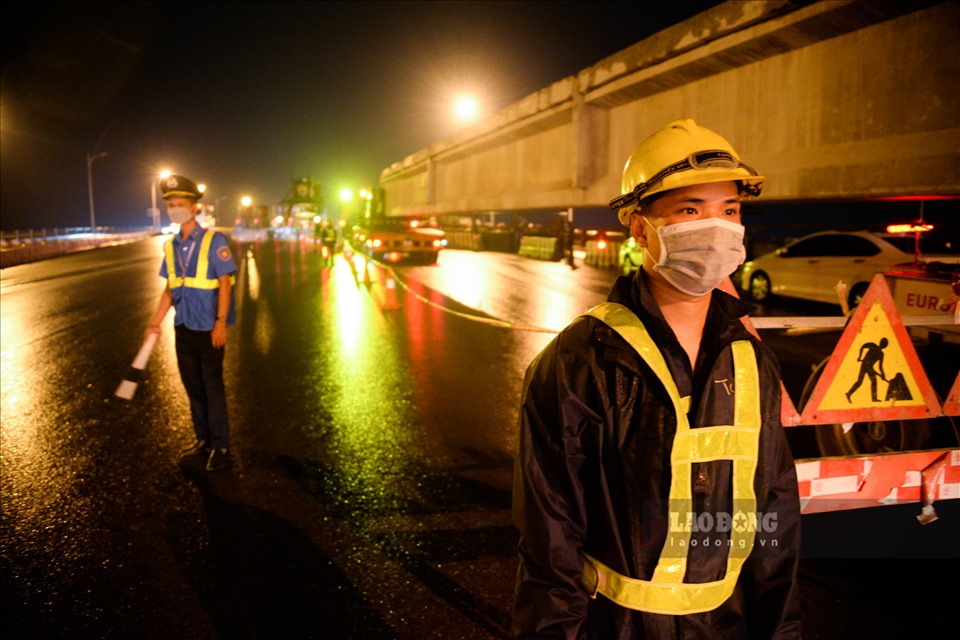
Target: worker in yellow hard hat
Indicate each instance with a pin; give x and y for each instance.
(655, 492)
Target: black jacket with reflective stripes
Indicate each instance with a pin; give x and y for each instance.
(593, 475)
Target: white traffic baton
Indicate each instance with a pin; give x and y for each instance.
(129, 384)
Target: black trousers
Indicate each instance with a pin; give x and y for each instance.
(201, 369)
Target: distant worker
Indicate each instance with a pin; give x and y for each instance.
(568, 239)
(199, 270)
(871, 355)
(654, 489)
(328, 236)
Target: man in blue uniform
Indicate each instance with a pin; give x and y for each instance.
(199, 270)
(654, 491)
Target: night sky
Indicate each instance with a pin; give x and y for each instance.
(246, 96)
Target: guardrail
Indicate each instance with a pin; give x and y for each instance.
(20, 247)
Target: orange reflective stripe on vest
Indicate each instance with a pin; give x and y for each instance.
(666, 592)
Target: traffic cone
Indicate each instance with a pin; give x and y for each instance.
(366, 272)
(390, 300)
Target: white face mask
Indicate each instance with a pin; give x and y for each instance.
(696, 256)
(179, 215)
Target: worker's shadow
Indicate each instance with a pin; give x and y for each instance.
(260, 576)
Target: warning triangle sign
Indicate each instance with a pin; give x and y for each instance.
(789, 417)
(951, 406)
(874, 372)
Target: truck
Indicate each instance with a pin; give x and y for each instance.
(410, 240)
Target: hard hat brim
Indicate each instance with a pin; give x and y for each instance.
(689, 179)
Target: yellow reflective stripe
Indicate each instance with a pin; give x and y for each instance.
(670, 569)
(666, 598)
(666, 592)
(716, 443)
(746, 412)
(203, 263)
(746, 415)
(628, 325)
(200, 280)
(173, 280)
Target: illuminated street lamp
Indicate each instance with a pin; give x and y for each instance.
(465, 108)
(346, 197)
(90, 159)
(245, 213)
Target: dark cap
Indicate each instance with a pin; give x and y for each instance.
(179, 187)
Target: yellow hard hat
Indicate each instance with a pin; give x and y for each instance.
(679, 155)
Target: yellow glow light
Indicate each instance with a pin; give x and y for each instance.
(465, 108)
(908, 228)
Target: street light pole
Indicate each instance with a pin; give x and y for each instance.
(155, 213)
(90, 159)
(216, 210)
(153, 202)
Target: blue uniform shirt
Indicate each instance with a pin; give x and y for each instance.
(197, 308)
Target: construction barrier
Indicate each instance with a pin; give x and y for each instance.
(838, 484)
(467, 240)
(541, 248)
(602, 257)
(503, 241)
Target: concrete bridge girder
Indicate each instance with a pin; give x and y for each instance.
(829, 100)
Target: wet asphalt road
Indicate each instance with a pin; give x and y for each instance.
(372, 446)
(370, 492)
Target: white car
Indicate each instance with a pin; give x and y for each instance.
(811, 268)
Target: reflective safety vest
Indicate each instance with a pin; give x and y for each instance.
(666, 592)
(200, 280)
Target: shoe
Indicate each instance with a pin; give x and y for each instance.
(196, 448)
(219, 459)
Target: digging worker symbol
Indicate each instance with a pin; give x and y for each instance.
(871, 364)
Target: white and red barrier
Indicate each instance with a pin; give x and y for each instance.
(837, 484)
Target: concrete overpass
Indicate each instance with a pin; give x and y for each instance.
(831, 100)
